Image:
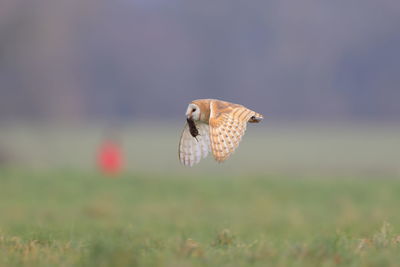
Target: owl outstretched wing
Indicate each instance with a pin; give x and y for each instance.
(193, 149)
(227, 123)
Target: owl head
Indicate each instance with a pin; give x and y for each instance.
(193, 112)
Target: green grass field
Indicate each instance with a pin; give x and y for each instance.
(64, 218)
(292, 195)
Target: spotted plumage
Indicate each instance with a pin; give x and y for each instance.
(213, 126)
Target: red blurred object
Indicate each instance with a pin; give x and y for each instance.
(110, 158)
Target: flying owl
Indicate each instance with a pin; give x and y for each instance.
(213, 126)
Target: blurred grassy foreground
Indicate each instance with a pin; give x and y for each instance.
(64, 218)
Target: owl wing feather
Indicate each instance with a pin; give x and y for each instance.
(227, 126)
(192, 150)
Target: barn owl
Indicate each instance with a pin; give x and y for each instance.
(213, 126)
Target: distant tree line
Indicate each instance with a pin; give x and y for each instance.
(82, 60)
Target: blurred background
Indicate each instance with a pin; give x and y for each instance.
(76, 73)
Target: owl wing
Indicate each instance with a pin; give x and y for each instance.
(227, 126)
(192, 150)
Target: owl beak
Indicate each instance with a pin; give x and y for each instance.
(189, 115)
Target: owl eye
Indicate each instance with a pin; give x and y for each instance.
(193, 110)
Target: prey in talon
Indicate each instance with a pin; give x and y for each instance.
(192, 127)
